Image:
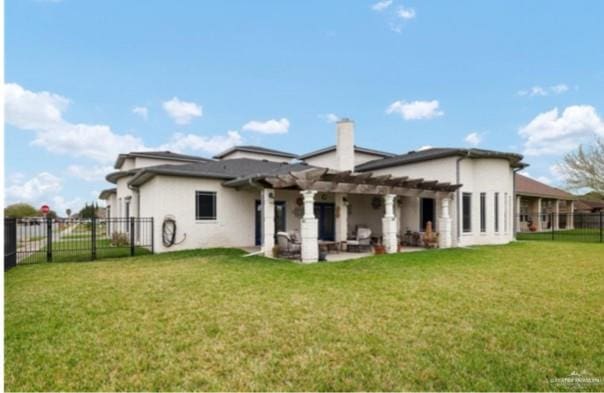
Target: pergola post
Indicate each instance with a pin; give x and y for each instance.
(341, 217)
(444, 224)
(267, 201)
(309, 229)
(389, 224)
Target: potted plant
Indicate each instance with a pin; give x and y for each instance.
(379, 248)
(532, 227)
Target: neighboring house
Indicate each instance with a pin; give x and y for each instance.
(542, 205)
(585, 206)
(248, 193)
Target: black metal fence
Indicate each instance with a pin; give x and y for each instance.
(577, 227)
(35, 240)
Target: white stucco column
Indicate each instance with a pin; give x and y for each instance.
(389, 224)
(444, 224)
(309, 229)
(570, 223)
(556, 222)
(539, 215)
(341, 217)
(267, 200)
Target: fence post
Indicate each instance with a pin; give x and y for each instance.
(48, 239)
(601, 228)
(132, 236)
(152, 236)
(93, 236)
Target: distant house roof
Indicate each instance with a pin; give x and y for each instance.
(356, 149)
(225, 169)
(105, 194)
(158, 154)
(439, 152)
(589, 205)
(256, 149)
(531, 187)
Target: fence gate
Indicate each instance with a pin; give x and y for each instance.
(36, 240)
(10, 243)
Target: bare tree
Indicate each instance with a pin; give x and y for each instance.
(584, 167)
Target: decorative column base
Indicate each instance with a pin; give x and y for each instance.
(389, 234)
(310, 245)
(444, 235)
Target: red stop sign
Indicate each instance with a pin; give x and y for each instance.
(45, 209)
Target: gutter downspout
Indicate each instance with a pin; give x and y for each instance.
(516, 207)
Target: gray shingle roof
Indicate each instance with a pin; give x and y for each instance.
(107, 192)
(439, 152)
(225, 169)
(256, 149)
(356, 149)
(158, 154)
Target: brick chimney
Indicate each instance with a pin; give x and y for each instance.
(345, 145)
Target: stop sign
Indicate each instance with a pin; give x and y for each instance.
(45, 209)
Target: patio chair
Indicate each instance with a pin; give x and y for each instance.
(287, 247)
(361, 242)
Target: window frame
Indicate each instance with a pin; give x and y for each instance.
(466, 212)
(214, 207)
(496, 211)
(483, 212)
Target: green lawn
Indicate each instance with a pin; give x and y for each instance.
(79, 250)
(570, 235)
(490, 318)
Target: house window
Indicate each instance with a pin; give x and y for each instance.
(483, 212)
(467, 211)
(205, 205)
(496, 212)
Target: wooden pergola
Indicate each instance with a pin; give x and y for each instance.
(326, 180)
(313, 180)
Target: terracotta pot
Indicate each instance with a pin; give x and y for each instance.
(377, 250)
(533, 227)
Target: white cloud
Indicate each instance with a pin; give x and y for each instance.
(559, 89)
(554, 133)
(415, 110)
(59, 204)
(141, 111)
(182, 112)
(544, 91)
(330, 117)
(268, 127)
(209, 144)
(405, 13)
(542, 179)
(474, 138)
(558, 172)
(90, 174)
(42, 112)
(35, 188)
(381, 5)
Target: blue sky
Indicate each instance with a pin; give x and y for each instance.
(515, 76)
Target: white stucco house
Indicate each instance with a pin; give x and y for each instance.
(243, 196)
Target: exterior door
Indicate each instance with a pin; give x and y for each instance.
(325, 214)
(427, 213)
(280, 222)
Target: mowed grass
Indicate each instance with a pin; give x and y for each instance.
(490, 318)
